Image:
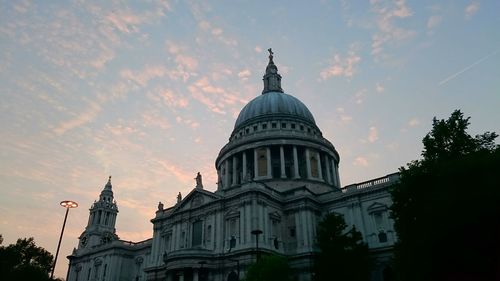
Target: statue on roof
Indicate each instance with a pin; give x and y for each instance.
(199, 183)
(270, 50)
(160, 206)
(179, 197)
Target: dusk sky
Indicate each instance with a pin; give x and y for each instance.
(149, 91)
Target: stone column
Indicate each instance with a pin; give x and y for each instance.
(298, 232)
(334, 174)
(303, 222)
(320, 170)
(282, 162)
(195, 274)
(255, 164)
(244, 167)
(248, 222)
(268, 153)
(308, 163)
(338, 176)
(295, 163)
(235, 172)
(226, 174)
(328, 171)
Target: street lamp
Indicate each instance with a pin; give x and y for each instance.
(257, 232)
(68, 204)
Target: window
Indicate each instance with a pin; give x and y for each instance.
(308, 130)
(247, 130)
(314, 164)
(183, 239)
(378, 218)
(264, 126)
(283, 125)
(292, 231)
(197, 232)
(382, 237)
(293, 126)
(262, 162)
(273, 125)
(208, 235)
(255, 128)
(301, 128)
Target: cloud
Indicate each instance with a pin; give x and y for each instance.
(181, 174)
(413, 122)
(373, 134)
(258, 49)
(388, 33)
(215, 98)
(379, 88)
(217, 33)
(342, 66)
(87, 116)
(359, 96)
(244, 74)
(184, 61)
(154, 120)
(189, 122)
(360, 161)
(172, 100)
(433, 21)
(471, 9)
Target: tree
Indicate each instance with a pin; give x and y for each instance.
(269, 268)
(343, 255)
(446, 208)
(25, 261)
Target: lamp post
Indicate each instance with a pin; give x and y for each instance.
(68, 204)
(257, 232)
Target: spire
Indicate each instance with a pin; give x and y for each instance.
(107, 192)
(272, 80)
(108, 185)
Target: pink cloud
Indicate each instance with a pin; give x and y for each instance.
(342, 66)
(85, 117)
(388, 33)
(471, 9)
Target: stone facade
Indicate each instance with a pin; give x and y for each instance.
(278, 176)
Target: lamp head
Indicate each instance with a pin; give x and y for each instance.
(68, 204)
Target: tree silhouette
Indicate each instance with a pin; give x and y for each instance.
(269, 268)
(343, 255)
(25, 261)
(446, 208)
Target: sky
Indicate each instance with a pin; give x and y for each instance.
(148, 92)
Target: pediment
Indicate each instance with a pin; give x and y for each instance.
(376, 207)
(196, 198)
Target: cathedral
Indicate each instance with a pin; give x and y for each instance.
(277, 177)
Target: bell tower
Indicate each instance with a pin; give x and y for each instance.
(102, 219)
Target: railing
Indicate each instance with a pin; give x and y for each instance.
(131, 243)
(386, 180)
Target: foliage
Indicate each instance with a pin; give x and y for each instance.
(25, 261)
(446, 207)
(343, 255)
(269, 268)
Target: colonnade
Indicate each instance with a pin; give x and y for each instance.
(283, 161)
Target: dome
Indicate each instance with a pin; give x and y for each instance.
(274, 103)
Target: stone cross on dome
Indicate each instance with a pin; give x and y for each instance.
(272, 80)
